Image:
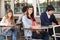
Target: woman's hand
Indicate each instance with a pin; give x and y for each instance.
(37, 32)
(6, 30)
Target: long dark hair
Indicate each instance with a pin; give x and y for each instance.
(32, 15)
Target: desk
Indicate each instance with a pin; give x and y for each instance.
(44, 27)
(18, 24)
(1, 26)
(37, 28)
(55, 35)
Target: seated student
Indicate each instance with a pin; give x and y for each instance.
(48, 17)
(24, 9)
(29, 22)
(9, 20)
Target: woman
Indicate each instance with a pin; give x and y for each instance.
(9, 20)
(29, 22)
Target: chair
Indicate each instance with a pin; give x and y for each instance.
(56, 31)
(6, 36)
(28, 37)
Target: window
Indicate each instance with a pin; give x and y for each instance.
(18, 5)
(56, 4)
(43, 4)
(7, 4)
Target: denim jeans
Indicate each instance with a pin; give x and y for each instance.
(43, 35)
(12, 32)
(1, 37)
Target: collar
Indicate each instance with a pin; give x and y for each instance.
(48, 15)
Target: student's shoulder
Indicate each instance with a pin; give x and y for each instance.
(52, 15)
(4, 17)
(24, 16)
(43, 13)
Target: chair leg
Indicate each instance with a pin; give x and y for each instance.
(55, 38)
(6, 37)
(28, 38)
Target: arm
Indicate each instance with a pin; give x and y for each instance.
(20, 19)
(54, 20)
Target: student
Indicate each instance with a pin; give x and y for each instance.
(29, 22)
(8, 20)
(24, 11)
(48, 17)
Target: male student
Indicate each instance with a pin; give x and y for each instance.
(48, 17)
(24, 11)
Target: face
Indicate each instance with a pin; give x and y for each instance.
(9, 14)
(50, 12)
(30, 10)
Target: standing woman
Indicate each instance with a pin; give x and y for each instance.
(8, 19)
(29, 22)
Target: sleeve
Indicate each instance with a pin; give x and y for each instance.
(20, 18)
(44, 20)
(3, 20)
(25, 22)
(54, 20)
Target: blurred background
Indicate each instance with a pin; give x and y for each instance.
(39, 6)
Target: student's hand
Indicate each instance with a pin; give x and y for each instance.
(37, 32)
(6, 30)
(38, 26)
(32, 27)
(53, 23)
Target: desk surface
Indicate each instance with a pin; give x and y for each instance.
(36, 28)
(5, 26)
(18, 23)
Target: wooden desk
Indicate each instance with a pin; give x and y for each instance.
(18, 24)
(36, 28)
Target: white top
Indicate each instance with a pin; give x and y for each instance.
(27, 24)
(48, 15)
(5, 22)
